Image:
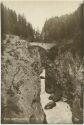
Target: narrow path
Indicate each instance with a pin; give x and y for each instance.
(61, 113)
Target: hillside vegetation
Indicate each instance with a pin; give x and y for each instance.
(63, 28)
(16, 24)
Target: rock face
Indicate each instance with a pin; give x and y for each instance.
(65, 73)
(20, 82)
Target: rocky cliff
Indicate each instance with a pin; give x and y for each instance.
(20, 82)
(64, 78)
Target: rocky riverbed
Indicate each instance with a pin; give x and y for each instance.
(61, 113)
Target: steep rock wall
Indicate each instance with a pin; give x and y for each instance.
(65, 71)
(20, 82)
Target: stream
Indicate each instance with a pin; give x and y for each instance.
(61, 113)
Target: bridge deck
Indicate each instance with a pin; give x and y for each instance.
(43, 45)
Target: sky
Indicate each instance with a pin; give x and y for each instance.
(36, 12)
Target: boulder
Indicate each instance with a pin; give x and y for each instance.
(56, 96)
(50, 105)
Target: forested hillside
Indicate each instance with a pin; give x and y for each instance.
(17, 25)
(63, 28)
(66, 30)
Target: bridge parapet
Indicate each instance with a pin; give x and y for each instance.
(46, 46)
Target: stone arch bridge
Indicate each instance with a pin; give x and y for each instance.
(48, 50)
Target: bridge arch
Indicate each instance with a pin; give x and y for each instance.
(47, 51)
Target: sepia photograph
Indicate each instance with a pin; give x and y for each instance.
(42, 61)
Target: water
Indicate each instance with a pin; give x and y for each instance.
(61, 113)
